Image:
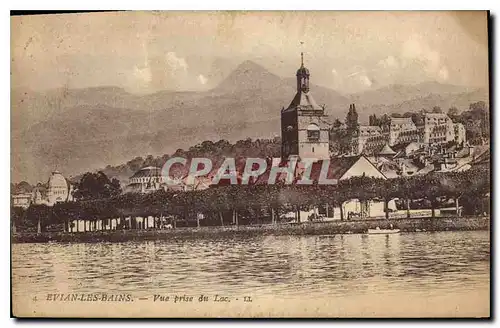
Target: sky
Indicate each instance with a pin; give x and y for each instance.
(145, 52)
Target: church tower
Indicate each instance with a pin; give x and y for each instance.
(304, 128)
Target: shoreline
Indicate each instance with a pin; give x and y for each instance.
(306, 228)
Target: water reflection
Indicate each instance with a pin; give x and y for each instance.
(285, 265)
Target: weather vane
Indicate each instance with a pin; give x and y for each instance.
(302, 53)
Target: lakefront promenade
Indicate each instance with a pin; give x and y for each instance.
(405, 225)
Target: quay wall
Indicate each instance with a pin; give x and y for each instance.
(306, 228)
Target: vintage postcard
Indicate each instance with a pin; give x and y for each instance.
(250, 164)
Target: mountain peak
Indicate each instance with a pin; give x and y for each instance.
(249, 75)
(249, 65)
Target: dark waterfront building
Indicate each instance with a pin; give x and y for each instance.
(304, 128)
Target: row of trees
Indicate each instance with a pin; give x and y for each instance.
(252, 203)
(94, 185)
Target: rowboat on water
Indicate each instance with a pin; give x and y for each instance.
(379, 231)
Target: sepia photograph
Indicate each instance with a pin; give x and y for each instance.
(250, 164)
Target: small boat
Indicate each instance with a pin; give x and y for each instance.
(379, 231)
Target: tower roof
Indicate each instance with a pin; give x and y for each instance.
(304, 100)
(302, 69)
(57, 180)
(387, 151)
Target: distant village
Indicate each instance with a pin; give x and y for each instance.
(389, 147)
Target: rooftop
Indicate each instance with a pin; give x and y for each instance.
(436, 115)
(370, 129)
(303, 100)
(401, 120)
(336, 169)
(387, 151)
(149, 171)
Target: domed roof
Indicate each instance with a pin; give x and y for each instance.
(302, 71)
(57, 180)
(148, 171)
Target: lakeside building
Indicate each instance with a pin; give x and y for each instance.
(58, 189)
(22, 199)
(150, 179)
(147, 179)
(435, 129)
(367, 140)
(340, 168)
(419, 159)
(402, 130)
(438, 128)
(370, 139)
(405, 150)
(304, 126)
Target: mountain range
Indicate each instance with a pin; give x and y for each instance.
(78, 130)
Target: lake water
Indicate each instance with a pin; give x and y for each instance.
(409, 266)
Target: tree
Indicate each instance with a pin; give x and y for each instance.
(478, 108)
(384, 120)
(337, 124)
(453, 112)
(433, 189)
(339, 138)
(418, 118)
(437, 109)
(407, 187)
(479, 112)
(39, 215)
(476, 121)
(456, 185)
(21, 187)
(469, 189)
(97, 185)
(17, 216)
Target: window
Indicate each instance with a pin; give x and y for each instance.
(313, 132)
(313, 135)
(313, 150)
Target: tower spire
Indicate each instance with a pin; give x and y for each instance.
(302, 76)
